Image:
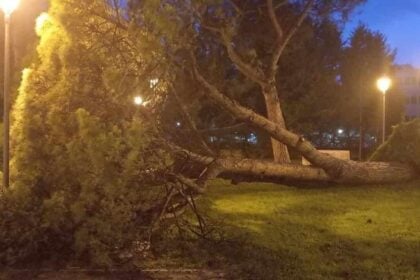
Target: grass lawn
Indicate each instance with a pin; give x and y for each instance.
(331, 232)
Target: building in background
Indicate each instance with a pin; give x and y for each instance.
(408, 82)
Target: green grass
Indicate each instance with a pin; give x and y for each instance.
(336, 232)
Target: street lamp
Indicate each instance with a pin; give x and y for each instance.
(8, 7)
(138, 100)
(383, 85)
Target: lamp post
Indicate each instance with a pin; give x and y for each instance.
(383, 85)
(8, 7)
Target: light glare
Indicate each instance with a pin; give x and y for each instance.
(40, 22)
(384, 84)
(9, 6)
(153, 83)
(138, 100)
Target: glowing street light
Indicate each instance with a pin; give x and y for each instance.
(138, 100)
(8, 7)
(384, 84)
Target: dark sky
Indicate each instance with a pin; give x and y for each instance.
(398, 20)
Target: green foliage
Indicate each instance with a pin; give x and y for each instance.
(85, 166)
(402, 146)
(367, 58)
(307, 71)
(273, 231)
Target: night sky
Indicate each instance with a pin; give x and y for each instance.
(398, 20)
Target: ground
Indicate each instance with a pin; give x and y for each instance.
(331, 232)
(271, 231)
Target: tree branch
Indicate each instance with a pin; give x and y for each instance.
(273, 19)
(331, 165)
(246, 69)
(338, 170)
(283, 43)
(282, 3)
(258, 167)
(191, 122)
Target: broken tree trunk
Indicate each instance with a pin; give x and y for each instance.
(361, 173)
(275, 114)
(338, 170)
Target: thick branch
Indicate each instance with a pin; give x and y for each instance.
(338, 170)
(246, 69)
(275, 130)
(261, 167)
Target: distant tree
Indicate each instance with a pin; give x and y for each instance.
(309, 80)
(366, 58)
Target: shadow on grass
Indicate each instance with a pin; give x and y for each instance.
(316, 237)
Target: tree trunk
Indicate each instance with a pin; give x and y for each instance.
(275, 114)
(360, 173)
(338, 170)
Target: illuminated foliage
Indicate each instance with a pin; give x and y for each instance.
(84, 162)
(402, 146)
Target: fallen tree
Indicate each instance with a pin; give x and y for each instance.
(362, 173)
(325, 167)
(223, 28)
(337, 170)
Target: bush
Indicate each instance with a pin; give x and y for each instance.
(88, 205)
(85, 168)
(402, 146)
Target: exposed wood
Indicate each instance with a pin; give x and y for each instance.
(338, 170)
(260, 167)
(360, 173)
(275, 114)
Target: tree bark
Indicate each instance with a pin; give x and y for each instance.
(361, 173)
(275, 114)
(338, 170)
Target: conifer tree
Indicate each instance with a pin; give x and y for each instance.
(83, 160)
